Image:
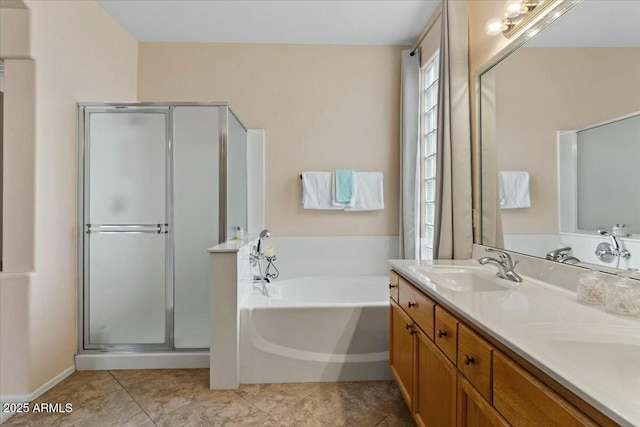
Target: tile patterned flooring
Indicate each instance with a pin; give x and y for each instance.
(181, 398)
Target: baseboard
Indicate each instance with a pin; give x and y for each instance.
(168, 360)
(18, 398)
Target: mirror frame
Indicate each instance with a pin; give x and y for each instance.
(549, 15)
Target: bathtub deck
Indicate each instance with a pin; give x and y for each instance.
(181, 397)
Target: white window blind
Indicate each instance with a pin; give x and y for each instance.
(430, 127)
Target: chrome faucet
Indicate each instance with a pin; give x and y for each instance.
(255, 257)
(506, 266)
(562, 255)
(607, 252)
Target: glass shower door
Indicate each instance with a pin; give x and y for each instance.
(127, 269)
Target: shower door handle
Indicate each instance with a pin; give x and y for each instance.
(127, 228)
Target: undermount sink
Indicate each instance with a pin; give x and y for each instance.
(462, 279)
(618, 348)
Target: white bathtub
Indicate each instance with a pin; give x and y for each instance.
(327, 328)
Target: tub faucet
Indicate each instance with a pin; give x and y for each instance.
(255, 257)
(263, 235)
(505, 264)
(607, 252)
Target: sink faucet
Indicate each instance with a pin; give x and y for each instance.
(562, 255)
(504, 263)
(556, 254)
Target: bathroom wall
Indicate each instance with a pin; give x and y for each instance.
(18, 194)
(333, 256)
(322, 108)
(565, 89)
(80, 54)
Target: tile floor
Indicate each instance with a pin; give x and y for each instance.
(181, 398)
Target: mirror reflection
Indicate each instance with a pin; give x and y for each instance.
(560, 140)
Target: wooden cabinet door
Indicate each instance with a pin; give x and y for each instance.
(525, 401)
(473, 410)
(434, 399)
(401, 351)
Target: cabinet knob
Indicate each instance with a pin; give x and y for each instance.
(407, 326)
(411, 304)
(441, 333)
(392, 286)
(468, 360)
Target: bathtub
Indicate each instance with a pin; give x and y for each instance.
(327, 328)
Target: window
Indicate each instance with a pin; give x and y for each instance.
(429, 150)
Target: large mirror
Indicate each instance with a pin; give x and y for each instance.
(559, 140)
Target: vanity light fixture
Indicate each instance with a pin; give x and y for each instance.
(517, 13)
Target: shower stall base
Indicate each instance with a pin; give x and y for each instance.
(133, 360)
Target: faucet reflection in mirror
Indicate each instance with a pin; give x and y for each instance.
(609, 252)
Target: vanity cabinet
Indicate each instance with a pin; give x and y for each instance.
(435, 384)
(417, 306)
(425, 376)
(446, 333)
(474, 360)
(393, 285)
(450, 375)
(401, 351)
(474, 410)
(523, 400)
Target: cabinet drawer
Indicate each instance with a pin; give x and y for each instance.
(523, 400)
(418, 306)
(474, 360)
(446, 333)
(394, 286)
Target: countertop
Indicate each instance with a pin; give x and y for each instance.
(594, 354)
(232, 245)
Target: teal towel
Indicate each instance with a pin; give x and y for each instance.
(344, 185)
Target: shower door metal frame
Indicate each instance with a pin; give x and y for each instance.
(84, 228)
(82, 210)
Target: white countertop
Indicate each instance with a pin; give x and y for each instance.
(594, 354)
(231, 245)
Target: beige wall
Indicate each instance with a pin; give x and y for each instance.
(14, 334)
(14, 29)
(80, 54)
(322, 107)
(541, 91)
(18, 197)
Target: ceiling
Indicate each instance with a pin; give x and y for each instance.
(594, 23)
(348, 22)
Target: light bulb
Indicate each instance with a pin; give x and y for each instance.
(494, 26)
(513, 8)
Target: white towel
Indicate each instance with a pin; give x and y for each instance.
(370, 195)
(514, 189)
(333, 193)
(317, 190)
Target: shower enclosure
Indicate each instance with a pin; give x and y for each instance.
(158, 184)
